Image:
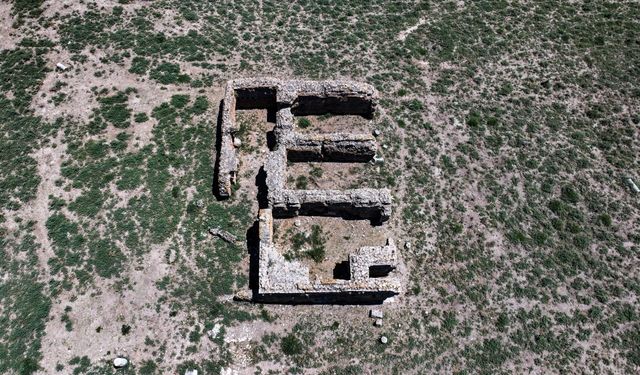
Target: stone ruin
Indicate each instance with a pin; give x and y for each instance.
(370, 278)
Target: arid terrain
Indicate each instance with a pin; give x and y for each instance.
(508, 134)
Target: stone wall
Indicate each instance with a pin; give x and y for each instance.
(370, 279)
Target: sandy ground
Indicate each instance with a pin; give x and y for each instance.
(8, 36)
(107, 310)
(49, 161)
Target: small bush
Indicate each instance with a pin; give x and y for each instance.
(200, 105)
(317, 241)
(605, 220)
(569, 194)
(108, 258)
(149, 367)
(179, 101)
(291, 345)
(167, 73)
(141, 117)
(414, 105)
(304, 123)
(473, 120)
(114, 109)
(316, 171)
(189, 15)
(139, 65)
(302, 182)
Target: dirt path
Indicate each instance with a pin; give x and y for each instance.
(404, 33)
(49, 161)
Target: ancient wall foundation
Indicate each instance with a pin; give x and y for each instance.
(282, 280)
(371, 269)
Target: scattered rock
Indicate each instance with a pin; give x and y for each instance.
(120, 362)
(377, 314)
(632, 185)
(223, 235)
(243, 295)
(389, 300)
(385, 146)
(213, 332)
(378, 323)
(199, 203)
(384, 339)
(61, 66)
(228, 371)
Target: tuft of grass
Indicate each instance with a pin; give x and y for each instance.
(317, 241)
(304, 123)
(302, 182)
(291, 345)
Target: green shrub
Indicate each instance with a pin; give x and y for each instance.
(414, 105)
(317, 241)
(605, 220)
(473, 120)
(148, 367)
(125, 329)
(316, 171)
(200, 105)
(189, 15)
(107, 258)
(140, 117)
(88, 204)
(167, 73)
(179, 101)
(298, 241)
(302, 182)
(114, 109)
(291, 345)
(569, 194)
(139, 65)
(304, 123)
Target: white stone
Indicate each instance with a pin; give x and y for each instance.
(378, 314)
(237, 142)
(376, 132)
(191, 372)
(61, 66)
(389, 300)
(384, 339)
(213, 332)
(407, 245)
(632, 185)
(378, 323)
(120, 362)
